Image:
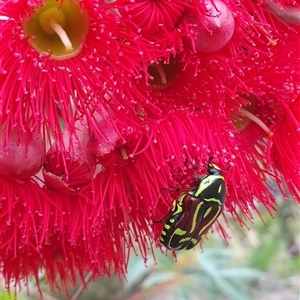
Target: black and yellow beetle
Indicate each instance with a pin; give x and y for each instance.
(195, 211)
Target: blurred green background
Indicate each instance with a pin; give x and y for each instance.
(262, 262)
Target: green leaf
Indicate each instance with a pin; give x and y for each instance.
(11, 296)
(5, 296)
(220, 256)
(241, 273)
(137, 270)
(156, 278)
(223, 252)
(167, 260)
(180, 293)
(262, 256)
(223, 285)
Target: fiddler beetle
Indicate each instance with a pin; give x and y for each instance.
(195, 211)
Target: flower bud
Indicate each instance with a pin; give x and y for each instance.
(215, 29)
(71, 167)
(21, 155)
(103, 144)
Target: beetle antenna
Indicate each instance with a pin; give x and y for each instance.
(209, 162)
(227, 169)
(170, 190)
(206, 166)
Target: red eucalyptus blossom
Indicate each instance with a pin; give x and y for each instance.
(121, 105)
(56, 70)
(284, 147)
(152, 16)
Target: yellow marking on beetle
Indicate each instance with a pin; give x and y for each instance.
(180, 200)
(212, 200)
(220, 189)
(172, 221)
(178, 211)
(179, 231)
(207, 212)
(205, 182)
(195, 216)
(211, 221)
(194, 241)
(163, 233)
(188, 239)
(167, 226)
(161, 239)
(178, 205)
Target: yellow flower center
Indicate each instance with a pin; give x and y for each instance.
(59, 28)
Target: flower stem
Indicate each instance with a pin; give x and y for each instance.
(62, 35)
(82, 287)
(258, 121)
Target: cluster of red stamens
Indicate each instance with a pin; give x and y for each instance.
(97, 122)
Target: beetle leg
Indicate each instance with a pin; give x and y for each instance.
(171, 190)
